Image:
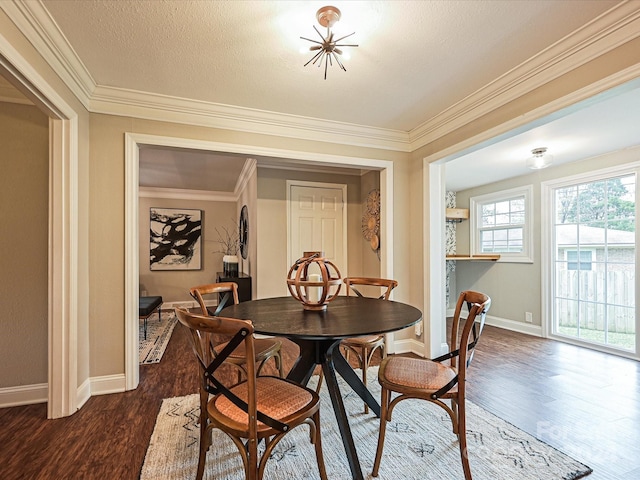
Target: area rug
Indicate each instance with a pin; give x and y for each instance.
(419, 445)
(151, 349)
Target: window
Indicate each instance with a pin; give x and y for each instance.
(584, 263)
(500, 223)
(593, 259)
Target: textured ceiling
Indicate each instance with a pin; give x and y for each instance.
(415, 60)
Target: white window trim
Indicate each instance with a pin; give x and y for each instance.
(547, 189)
(526, 256)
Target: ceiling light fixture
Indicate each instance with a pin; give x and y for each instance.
(540, 159)
(327, 50)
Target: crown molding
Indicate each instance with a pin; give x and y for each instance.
(249, 168)
(301, 166)
(183, 194)
(613, 28)
(35, 22)
(621, 81)
(150, 106)
(324, 159)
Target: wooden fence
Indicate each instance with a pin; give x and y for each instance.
(607, 300)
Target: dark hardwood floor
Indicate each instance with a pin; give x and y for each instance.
(584, 403)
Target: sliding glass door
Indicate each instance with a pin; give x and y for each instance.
(593, 285)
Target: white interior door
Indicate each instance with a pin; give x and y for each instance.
(318, 221)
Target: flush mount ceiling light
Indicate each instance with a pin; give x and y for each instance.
(540, 159)
(327, 49)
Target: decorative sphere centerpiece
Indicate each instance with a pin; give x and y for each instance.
(314, 281)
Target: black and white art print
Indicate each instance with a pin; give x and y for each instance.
(176, 239)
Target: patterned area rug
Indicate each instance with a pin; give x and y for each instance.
(151, 349)
(419, 445)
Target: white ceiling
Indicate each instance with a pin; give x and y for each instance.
(603, 124)
(415, 60)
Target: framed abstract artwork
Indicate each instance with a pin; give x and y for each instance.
(175, 239)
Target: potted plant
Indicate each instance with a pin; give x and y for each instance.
(229, 245)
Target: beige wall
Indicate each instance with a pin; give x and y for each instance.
(24, 190)
(515, 288)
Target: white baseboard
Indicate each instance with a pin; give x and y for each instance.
(24, 395)
(108, 384)
(38, 393)
(409, 345)
(507, 324)
(514, 326)
(186, 304)
(84, 393)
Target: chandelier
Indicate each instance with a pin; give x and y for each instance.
(327, 49)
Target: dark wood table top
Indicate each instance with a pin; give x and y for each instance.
(344, 317)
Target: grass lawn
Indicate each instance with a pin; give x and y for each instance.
(619, 340)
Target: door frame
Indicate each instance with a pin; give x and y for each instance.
(66, 251)
(133, 141)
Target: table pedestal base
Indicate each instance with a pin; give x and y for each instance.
(327, 354)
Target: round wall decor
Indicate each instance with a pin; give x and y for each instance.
(243, 232)
(371, 220)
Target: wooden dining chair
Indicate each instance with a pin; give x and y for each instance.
(434, 380)
(364, 347)
(227, 294)
(260, 408)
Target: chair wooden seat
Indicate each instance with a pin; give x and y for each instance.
(265, 348)
(367, 340)
(277, 399)
(406, 373)
(439, 380)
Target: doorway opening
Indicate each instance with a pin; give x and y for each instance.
(132, 144)
(64, 240)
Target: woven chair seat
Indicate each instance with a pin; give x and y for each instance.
(401, 373)
(364, 340)
(264, 347)
(276, 398)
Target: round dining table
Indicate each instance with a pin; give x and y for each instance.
(318, 334)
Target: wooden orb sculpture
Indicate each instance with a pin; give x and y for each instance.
(314, 290)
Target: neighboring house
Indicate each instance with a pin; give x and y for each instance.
(591, 256)
(592, 268)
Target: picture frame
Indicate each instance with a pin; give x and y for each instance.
(175, 240)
